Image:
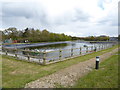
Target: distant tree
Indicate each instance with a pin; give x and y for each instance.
(11, 33)
(33, 35)
(26, 33)
(93, 38)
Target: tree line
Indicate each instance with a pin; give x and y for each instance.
(92, 38)
(35, 35)
(97, 38)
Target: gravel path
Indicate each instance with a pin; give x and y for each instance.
(68, 76)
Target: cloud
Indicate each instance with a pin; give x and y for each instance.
(13, 10)
(80, 16)
(109, 21)
(111, 18)
(0, 16)
(19, 14)
(72, 17)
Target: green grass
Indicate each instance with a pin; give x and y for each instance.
(105, 77)
(0, 71)
(17, 73)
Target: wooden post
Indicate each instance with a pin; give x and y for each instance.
(108, 45)
(99, 48)
(80, 51)
(95, 49)
(91, 48)
(16, 53)
(44, 58)
(28, 56)
(6, 52)
(87, 49)
(71, 51)
(105, 46)
(39, 58)
(60, 54)
(102, 47)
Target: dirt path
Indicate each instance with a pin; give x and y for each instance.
(69, 75)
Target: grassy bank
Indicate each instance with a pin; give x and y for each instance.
(0, 71)
(17, 73)
(105, 77)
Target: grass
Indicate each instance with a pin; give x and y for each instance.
(105, 77)
(0, 71)
(17, 73)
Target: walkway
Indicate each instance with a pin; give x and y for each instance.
(68, 76)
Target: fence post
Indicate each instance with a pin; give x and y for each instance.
(99, 48)
(102, 46)
(106, 46)
(91, 48)
(44, 58)
(71, 51)
(16, 53)
(87, 49)
(109, 45)
(80, 50)
(39, 58)
(60, 54)
(6, 52)
(28, 56)
(95, 49)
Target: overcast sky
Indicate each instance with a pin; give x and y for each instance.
(72, 17)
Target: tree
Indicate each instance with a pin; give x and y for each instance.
(11, 33)
(33, 35)
(26, 33)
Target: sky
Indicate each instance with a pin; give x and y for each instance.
(73, 17)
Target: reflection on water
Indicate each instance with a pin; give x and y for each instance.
(72, 44)
(54, 46)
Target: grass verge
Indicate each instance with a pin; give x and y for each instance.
(0, 71)
(105, 77)
(17, 73)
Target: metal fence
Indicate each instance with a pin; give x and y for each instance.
(46, 57)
